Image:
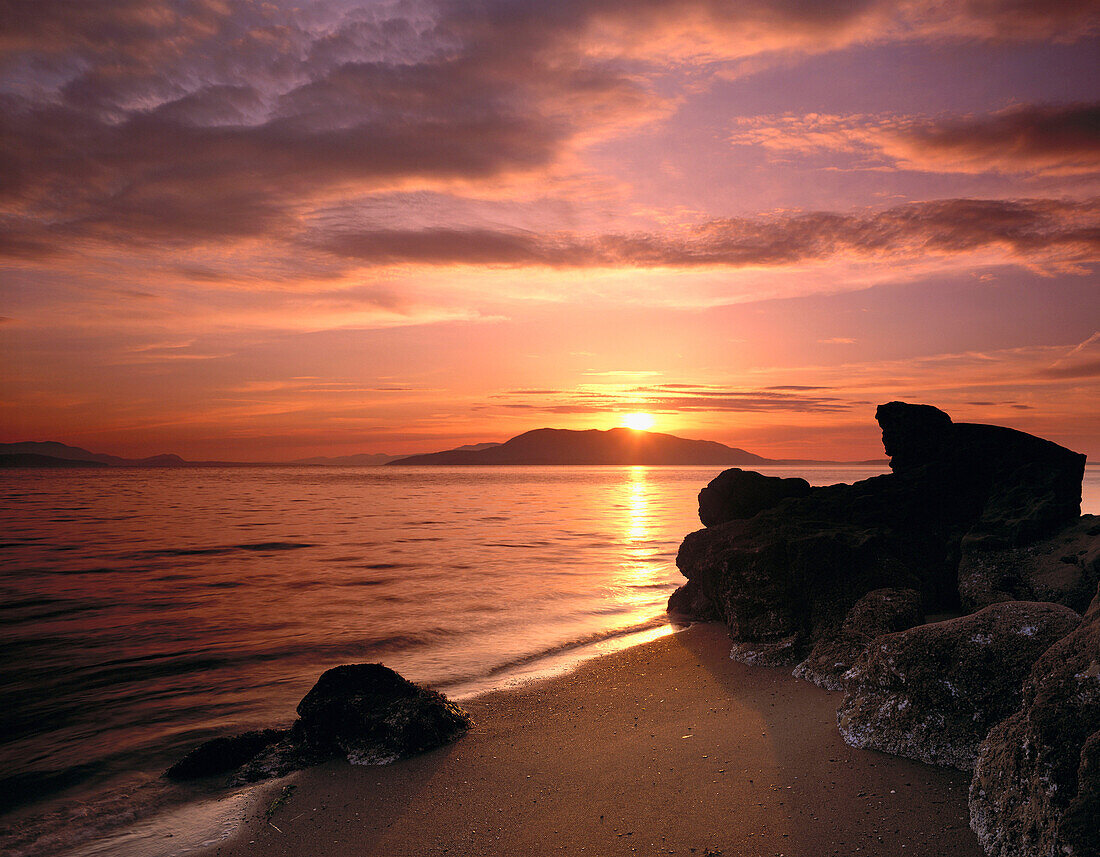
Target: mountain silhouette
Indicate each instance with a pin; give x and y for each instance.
(614, 446)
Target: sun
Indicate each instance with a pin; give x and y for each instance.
(639, 422)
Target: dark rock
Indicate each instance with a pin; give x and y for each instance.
(366, 712)
(933, 692)
(1080, 825)
(690, 604)
(882, 611)
(798, 567)
(737, 493)
(374, 716)
(221, 755)
(1064, 568)
(1036, 787)
(913, 435)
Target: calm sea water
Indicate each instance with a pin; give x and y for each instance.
(144, 611)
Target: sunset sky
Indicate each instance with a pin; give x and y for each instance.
(265, 230)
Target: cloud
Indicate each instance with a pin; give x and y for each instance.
(179, 123)
(1040, 231)
(1032, 138)
(248, 120)
(1081, 361)
(674, 398)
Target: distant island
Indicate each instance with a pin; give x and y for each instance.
(370, 459)
(546, 446)
(50, 453)
(614, 446)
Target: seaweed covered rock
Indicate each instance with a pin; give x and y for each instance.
(1064, 568)
(737, 493)
(373, 716)
(774, 653)
(366, 712)
(798, 567)
(1036, 787)
(882, 611)
(933, 692)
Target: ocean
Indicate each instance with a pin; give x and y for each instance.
(147, 610)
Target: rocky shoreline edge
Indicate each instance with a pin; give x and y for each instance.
(979, 523)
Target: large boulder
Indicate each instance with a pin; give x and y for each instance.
(798, 568)
(881, 611)
(373, 716)
(933, 692)
(737, 493)
(366, 712)
(795, 569)
(1064, 568)
(1036, 787)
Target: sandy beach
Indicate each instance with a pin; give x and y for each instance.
(665, 748)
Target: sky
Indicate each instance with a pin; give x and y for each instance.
(270, 230)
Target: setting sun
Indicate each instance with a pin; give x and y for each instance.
(639, 422)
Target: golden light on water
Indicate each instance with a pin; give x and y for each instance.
(639, 422)
(641, 566)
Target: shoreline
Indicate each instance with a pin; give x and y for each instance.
(666, 747)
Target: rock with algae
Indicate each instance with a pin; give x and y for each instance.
(933, 692)
(365, 712)
(1036, 787)
(881, 611)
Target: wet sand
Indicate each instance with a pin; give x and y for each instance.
(665, 748)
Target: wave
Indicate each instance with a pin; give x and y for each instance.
(219, 549)
(561, 648)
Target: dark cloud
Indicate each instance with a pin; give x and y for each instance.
(1037, 230)
(1064, 137)
(120, 28)
(1054, 139)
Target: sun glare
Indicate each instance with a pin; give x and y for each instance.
(640, 422)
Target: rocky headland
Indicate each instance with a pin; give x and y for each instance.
(979, 526)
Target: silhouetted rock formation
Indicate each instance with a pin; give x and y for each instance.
(615, 446)
(883, 611)
(933, 692)
(1064, 568)
(790, 573)
(734, 494)
(1036, 787)
(366, 712)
